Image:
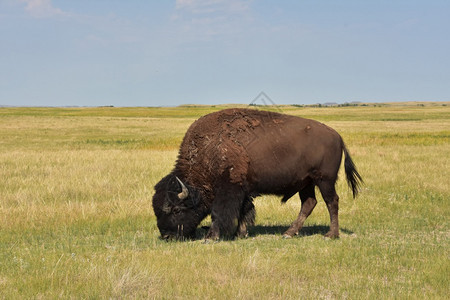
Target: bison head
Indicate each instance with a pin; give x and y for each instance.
(176, 208)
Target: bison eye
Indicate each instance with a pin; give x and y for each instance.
(176, 210)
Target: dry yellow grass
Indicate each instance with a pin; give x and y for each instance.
(76, 219)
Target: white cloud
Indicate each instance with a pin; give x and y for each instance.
(42, 8)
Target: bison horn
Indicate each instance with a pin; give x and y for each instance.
(184, 191)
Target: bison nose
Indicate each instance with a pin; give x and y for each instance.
(165, 237)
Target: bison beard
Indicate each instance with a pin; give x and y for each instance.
(229, 157)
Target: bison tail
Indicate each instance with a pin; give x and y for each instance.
(354, 180)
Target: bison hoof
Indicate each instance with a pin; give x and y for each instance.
(331, 235)
(287, 236)
(242, 235)
(210, 241)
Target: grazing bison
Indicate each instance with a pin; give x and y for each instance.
(231, 156)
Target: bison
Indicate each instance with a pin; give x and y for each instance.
(231, 156)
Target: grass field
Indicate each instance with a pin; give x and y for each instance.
(76, 219)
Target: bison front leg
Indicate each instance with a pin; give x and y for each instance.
(246, 218)
(213, 232)
(308, 198)
(225, 213)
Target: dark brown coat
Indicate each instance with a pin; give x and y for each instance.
(228, 157)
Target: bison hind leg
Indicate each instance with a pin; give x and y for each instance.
(308, 198)
(328, 191)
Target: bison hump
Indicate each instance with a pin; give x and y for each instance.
(213, 148)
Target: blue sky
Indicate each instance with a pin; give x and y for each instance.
(159, 53)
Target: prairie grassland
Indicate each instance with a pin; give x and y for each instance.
(76, 219)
